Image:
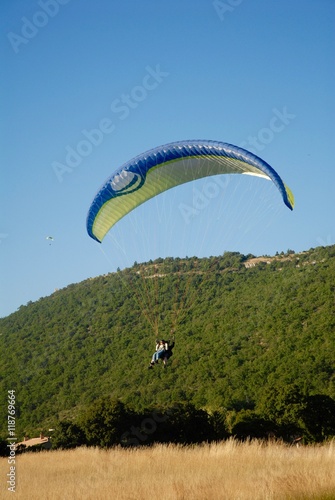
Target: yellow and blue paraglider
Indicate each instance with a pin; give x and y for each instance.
(166, 167)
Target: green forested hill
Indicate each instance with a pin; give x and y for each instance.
(243, 325)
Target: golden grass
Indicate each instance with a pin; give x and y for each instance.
(228, 470)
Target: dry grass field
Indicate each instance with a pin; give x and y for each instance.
(228, 470)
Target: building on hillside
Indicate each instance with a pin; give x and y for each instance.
(42, 441)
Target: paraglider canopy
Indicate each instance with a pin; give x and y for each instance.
(165, 167)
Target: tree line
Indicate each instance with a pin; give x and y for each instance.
(284, 415)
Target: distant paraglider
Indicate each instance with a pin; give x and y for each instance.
(166, 167)
(50, 239)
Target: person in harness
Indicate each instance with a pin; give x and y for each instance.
(163, 351)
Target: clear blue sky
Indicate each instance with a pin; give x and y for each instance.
(258, 73)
